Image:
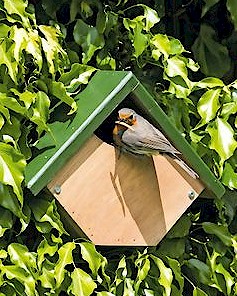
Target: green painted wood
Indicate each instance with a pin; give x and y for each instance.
(106, 90)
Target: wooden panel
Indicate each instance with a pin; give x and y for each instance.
(121, 199)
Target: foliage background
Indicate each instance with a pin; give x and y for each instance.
(48, 50)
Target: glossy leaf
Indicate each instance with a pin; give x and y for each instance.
(166, 277)
(198, 292)
(229, 176)
(210, 82)
(65, 257)
(232, 7)
(208, 105)
(222, 138)
(6, 59)
(200, 271)
(58, 89)
(208, 5)
(151, 17)
(6, 221)
(79, 74)
(82, 283)
(221, 231)
(43, 250)
(213, 57)
(92, 257)
(88, 38)
(12, 166)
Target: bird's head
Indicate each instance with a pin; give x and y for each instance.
(126, 117)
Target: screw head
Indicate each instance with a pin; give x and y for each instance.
(57, 189)
(191, 194)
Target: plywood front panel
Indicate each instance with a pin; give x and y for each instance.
(121, 199)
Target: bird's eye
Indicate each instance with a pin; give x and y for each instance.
(131, 116)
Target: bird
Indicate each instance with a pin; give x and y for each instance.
(132, 133)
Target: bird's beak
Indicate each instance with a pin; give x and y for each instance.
(124, 124)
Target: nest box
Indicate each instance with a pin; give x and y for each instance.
(116, 199)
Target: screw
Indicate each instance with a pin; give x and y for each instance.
(191, 194)
(57, 189)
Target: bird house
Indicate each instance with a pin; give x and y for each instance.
(116, 198)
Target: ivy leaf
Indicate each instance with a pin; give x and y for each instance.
(166, 277)
(88, 38)
(44, 249)
(221, 231)
(213, 57)
(12, 166)
(40, 110)
(82, 283)
(65, 257)
(6, 59)
(139, 40)
(229, 280)
(229, 176)
(208, 5)
(19, 274)
(18, 8)
(46, 216)
(151, 17)
(20, 256)
(198, 292)
(6, 220)
(92, 257)
(79, 74)
(232, 7)
(208, 105)
(200, 271)
(58, 89)
(210, 82)
(222, 138)
(54, 53)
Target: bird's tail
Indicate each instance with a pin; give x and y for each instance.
(187, 168)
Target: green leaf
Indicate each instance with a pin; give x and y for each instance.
(198, 292)
(65, 257)
(82, 283)
(79, 74)
(8, 200)
(18, 7)
(92, 257)
(46, 276)
(143, 266)
(212, 56)
(208, 5)
(6, 59)
(20, 256)
(151, 17)
(19, 274)
(232, 7)
(166, 277)
(221, 231)
(210, 82)
(6, 221)
(208, 105)
(88, 38)
(59, 91)
(229, 176)
(12, 166)
(40, 110)
(44, 249)
(46, 216)
(200, 271)
(104, 293)
(229, 280)
(140, 40)
(222, 138)
(176, 268)
(55, 54)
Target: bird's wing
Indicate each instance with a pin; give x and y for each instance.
(147, 138)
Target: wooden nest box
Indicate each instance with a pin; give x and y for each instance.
(116, 199)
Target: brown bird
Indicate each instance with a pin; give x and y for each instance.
(134, 134)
